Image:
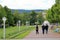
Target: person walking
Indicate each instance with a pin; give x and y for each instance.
(37, 30)
(45, 26)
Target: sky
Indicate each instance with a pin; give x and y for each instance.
(27, 4)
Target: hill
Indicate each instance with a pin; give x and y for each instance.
(28, 11)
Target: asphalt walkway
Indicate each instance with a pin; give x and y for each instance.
(50, 36)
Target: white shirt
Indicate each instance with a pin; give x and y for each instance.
(46, 22)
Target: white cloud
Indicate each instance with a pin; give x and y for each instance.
(28, 4)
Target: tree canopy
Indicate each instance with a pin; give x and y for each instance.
(53, 14)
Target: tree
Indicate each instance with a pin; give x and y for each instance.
(17, 16)
(53, 14)
(49, 16)
(2, 13)
(57, 1)
(10, 18)
(56, 10)
(40, 18)
(33, 17)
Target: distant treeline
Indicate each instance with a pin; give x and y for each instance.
(27, 11)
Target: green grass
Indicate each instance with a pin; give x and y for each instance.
(10, 31)
(22, 35)
(1, 33)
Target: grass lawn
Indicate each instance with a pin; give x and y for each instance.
(1, 33)
(22, 35)
(10, 31)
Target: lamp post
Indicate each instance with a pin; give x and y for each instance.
(26, 23)
(4, 20)
(19, 24)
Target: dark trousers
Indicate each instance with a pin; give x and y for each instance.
(37, 32)
(45, 28)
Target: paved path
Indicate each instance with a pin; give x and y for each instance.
(50, 36)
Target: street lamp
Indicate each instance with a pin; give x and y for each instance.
(27, 23)
(4, 20)
(19, 24)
